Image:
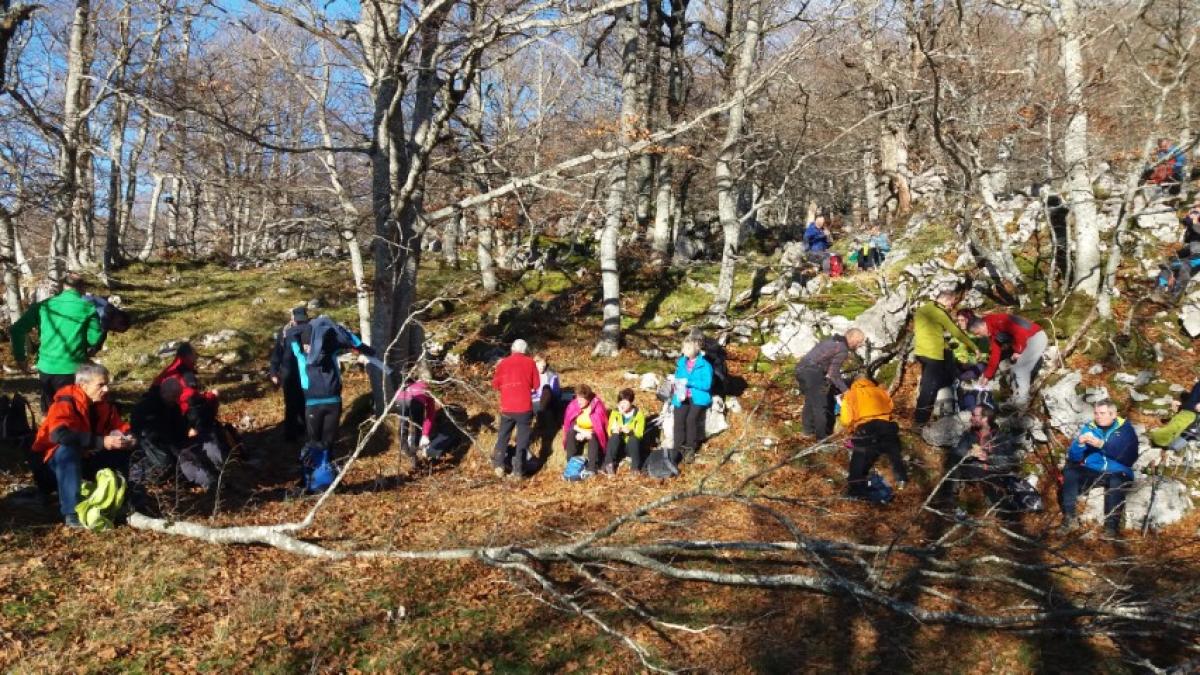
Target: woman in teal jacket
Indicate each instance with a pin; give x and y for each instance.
(692, 397)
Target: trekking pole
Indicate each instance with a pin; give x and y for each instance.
(1157, 477)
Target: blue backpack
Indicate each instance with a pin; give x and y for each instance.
(575, 468)
(878, 491)
(319, 472)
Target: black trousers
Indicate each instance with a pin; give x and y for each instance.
(870, 441)
(522, 423)
(689, 427)
(1078, 479)
(935, 374)
(625, 445)
(294, 423)
(593, 450)
(50, 386)
(817, 418)
(323, 421)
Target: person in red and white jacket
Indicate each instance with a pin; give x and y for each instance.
(516, 379)
(1025, 339)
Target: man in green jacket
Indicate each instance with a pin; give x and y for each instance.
(68, 327)
(931, 323)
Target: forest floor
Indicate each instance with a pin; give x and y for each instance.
(131, 601)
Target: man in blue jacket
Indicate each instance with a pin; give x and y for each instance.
(1104, 453)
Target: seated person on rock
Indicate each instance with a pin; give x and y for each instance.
(584, 426)
(166, 440)
(818, 241)
(874, 250)
(1102, 454)
(1174, 276)
(196, 404)
(545, 397)
(984, 455)
(867, 414)
(81, 434)
(626, 427)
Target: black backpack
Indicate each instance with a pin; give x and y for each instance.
(16, 417)
(661, 465)
(716, 356)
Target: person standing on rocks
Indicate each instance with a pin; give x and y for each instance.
(819, 374)
(931, 323)
(516, 379)
(1027, 341)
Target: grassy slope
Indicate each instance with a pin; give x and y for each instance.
(129, 601)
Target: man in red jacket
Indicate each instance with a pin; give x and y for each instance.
(516, 379)
(1025, 339)
(82, 433)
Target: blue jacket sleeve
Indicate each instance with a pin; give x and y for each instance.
(701, 376)
(1075, 452)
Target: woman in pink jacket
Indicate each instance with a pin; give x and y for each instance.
(586, 422)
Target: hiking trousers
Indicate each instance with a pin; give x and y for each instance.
(689, 427)
(870, 441)
(1078, 479)
(322, 421)
(935, 375)
(50, 384)
(816, 418)
(632, 447)
(522, 423)
(1027, 365)
(594, 453)
(71, 468)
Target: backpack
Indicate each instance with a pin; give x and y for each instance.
(715, 354)
(1022, 497)
(102, 500)
(878, 491)
(16, 417)
(319, 472)
(836, 268)
(659, 464)
(575, 468)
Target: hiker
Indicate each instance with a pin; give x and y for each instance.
(584, 425)
(545, 396)
(1174, 276)
(1025, 339)
(68, 327)
(418, 412)
(1191, 224)
(818, 241)
(81, 434)
(516, 379)
(931, 323)
(874, 250)
(165, 440)
(691, 398)
(626, 427)
(198, 406)
(867, 414)
(1103, 453)
(819, 375)
(315, 346)
(983, 455)
(286, 375)
(1184, 425)
(1166, 166)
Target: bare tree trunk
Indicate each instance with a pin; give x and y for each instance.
(1076, 151)
(484, 250)
(450, 234)
(662, 210)
(131, 181)
(8, 266)
(666, 216)
(152, 219)
(610, 274)
(731, 224)
(116, 151)
(68, 156)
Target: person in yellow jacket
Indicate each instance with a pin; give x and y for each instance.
(626, 426)
(867, 414)
(931, 323)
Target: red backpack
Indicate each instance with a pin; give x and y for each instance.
(835, 265)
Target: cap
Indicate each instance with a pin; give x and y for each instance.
(300, 314)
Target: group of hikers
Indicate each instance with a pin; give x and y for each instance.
(174, 429)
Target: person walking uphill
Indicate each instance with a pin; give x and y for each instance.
(68, 328)
(1103, 453)
(516, 379)
(315, 347)
(931, 323)
(692, 397)
(819, 374)
(1027, 341)
(81, 434)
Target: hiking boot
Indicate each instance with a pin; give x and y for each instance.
(499, 471)
(1112, 531)
(586, 474)
(72, 523)
(609, 470)
(515, 477)
(689, 456)
(1068, 525)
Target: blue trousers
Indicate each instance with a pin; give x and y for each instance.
(70, 469)
(1078, 479)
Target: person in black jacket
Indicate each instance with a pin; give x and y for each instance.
(983, 455)
(166, 440)
(286, 375)
(314, 346)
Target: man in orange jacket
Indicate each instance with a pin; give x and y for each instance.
(867, 414)
(82, 433)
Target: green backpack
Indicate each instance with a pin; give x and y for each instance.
(102, 500)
